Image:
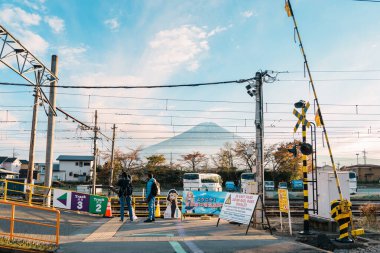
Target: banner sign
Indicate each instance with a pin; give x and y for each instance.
(202, 202)
(62, 199)
(283, 200)
(98, 204)
(238, 207)
(80, 202)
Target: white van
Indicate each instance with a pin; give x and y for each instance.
(202, 182)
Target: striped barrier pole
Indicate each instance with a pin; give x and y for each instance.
(306, 225)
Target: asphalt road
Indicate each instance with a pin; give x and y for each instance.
(191, 235)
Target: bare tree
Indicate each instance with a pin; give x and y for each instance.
(194, 160)
(225, 158)
(241, 150)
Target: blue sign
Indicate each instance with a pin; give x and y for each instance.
(202, 202)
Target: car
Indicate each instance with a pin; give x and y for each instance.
(283, 185)
(269, 185)
(230, 186)
(297, 185)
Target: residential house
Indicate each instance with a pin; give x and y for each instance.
(58, 175)
(77, 168)
(24, 164)
(365, 172)
(12, 164)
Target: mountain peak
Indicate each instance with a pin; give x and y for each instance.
(206, 137)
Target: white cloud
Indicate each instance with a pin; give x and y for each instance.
(55, 23)
(33, 42)
(18, 17)
(184, 45)
(35, 4)
(112, 23)
(248, 14)
(217, 30)
(17, 21)
(70, 56)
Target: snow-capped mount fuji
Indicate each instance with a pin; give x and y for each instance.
(206, 138)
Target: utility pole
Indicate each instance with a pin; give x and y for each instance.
(364, 156)
(112, 154)
(259, 124)
(357, 158)
(95, 152)
(50, 133)
(33, 131)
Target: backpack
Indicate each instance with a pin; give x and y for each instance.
(129, 189)
(126, 188)
(155, 190)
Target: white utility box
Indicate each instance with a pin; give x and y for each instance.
(328, 190)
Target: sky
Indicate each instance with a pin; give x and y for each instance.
(113, 43)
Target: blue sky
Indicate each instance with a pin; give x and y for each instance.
(175, 42)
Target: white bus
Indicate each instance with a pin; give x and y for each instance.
(202, 182)
(247, 182)
(353, 182)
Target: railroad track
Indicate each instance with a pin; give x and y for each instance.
(296, 207)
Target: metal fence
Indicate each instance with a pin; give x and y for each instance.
(30, 223)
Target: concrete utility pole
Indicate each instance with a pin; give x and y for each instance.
(357, 158)
(95, 152)
(50, 133)
(33, 131)
(259, 124)
(364, 156)
(112, 154)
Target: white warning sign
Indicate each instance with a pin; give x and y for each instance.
(238, 207)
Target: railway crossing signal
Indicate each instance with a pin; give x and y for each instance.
(301, 116)
(304, 106)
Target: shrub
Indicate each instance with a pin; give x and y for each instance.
(368, 211)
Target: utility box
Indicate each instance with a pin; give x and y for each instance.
(328, 190)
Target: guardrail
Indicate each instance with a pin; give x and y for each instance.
(14, 220)
(21, 192)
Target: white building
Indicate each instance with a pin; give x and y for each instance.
(58, 175)
(76, 168)
(10, 163)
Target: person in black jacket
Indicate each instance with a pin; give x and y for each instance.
(125, 194)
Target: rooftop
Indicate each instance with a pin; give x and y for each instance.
(75, 158)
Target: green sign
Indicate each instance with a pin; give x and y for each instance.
(98, 204)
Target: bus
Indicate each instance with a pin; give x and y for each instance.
(247, 181)
(353, 182)
(202, 182)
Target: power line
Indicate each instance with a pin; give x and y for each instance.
(131, 86)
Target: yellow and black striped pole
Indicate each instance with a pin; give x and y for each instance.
(343, 217)
(305, 123)
(306, 225)
(342, 204)
(290, 13)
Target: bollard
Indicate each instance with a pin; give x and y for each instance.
(157, 213)
(341, 213)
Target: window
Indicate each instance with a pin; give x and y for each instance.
(84, 174)
(191, 176)
(248, 176)
(70, 174)
(210, 179)
(80, 164)
(87, 164)
(76, 163)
